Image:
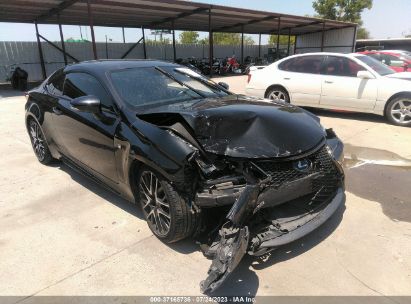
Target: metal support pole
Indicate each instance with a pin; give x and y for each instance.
(322, 37)
(210, 42)
(124, 36)
(144, 44)
(43, 66)
(242, 44)
(259, 45)
(295, 44)
(278, 37)
(63, 46)
(354, 39)
(90, 20)
(289, 42)
(174, 42)
(106, 48)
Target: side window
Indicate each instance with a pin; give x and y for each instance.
(55, 83)
(341, 66)
(82, 84)
(304, 64)
(391, 60)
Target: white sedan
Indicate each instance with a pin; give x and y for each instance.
(352, 82)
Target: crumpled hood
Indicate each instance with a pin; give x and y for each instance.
(245, 127)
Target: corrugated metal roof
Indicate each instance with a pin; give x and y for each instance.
(185, 15)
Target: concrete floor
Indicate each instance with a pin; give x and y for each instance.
(63, 235)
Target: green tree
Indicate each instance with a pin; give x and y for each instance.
(231, 39)
(189, 37)
(344, 10)
(363, 33)
(283, 40)
(159, 41)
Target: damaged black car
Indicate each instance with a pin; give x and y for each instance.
(238, 174)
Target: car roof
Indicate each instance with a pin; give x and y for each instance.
(380, 52)
(103, 66)
(350, 55)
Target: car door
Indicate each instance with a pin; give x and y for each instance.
(87, 138)
(301, 77)
(342, 89)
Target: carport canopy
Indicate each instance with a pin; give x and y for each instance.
(165, 14)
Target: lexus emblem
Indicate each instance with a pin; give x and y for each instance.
(303, 165)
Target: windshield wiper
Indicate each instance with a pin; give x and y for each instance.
(179, 82)
(205, 82)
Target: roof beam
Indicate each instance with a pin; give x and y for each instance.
(179, 16)
(55, 10)
(326, 30)
(308, 24)
(227, 27)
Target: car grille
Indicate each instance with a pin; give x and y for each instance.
(323, 186)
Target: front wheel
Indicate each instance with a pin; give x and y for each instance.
(38, 142)
(398, 111)
(278, 94)
(167, 214)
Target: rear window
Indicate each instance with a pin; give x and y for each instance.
(304, 64)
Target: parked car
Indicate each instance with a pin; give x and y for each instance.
(399, 62)
(352, 82)
(408, 53)
(241, 174)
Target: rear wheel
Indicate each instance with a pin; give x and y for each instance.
(278, 94)
(166, 212)
(398, 111)
(38, 142)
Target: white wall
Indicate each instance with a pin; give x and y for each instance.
(26, 56)
(342, 38)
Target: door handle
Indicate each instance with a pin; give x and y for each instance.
(287, 78)
(57, 111)
(329, 81)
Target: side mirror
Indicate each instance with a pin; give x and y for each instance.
(88, 103)
(365, 75)
(224, 85)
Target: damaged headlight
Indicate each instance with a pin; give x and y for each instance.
(335, 147)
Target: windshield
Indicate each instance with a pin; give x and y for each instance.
(148, 87)
(374, 64)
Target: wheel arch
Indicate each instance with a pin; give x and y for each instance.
(276, 86)
(399, 94)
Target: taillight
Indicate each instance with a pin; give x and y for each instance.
(249, 78)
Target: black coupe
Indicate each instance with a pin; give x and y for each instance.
(240, 174)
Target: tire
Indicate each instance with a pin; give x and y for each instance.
(278, 93)
(167, 214)
(398, 111)
(38, 142)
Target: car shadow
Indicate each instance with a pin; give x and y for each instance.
(101, 191)
(10, 93)
(348, 115)
(244, 280)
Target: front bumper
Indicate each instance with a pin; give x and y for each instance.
(312, 222)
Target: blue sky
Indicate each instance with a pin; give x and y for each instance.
(387, 18)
